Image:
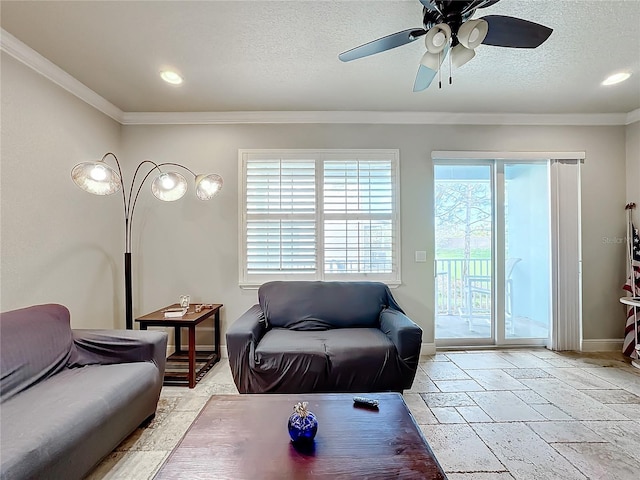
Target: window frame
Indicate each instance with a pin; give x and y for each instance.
(392, 279)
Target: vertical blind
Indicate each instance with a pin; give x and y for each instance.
(317, 215)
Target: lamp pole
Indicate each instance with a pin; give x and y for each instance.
(100, 179)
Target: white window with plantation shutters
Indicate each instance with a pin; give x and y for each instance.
(319, 215)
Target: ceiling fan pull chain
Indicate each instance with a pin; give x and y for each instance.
(439, 70)
(450, 78)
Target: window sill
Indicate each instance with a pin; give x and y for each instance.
(256, 286)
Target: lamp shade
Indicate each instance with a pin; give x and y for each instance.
(96, 177)
(169, 186)
(472, 33)
(461, 55)
(437, 37)
(208, 186)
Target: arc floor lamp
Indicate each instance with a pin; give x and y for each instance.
(99, 178)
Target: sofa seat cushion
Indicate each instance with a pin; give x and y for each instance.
(284, 355)
(341, 359)
(360, 359)
(54, 428)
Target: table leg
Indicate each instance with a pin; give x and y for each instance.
(143, 326)
(216, 334)
(192, 356)
(178, 340)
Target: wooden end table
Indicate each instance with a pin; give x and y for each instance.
(174, 372)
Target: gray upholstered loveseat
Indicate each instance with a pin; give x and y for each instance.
(323, 337)
(69, 397)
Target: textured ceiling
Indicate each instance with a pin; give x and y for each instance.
(283, 55)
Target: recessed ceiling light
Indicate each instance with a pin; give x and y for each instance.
(616, 78)
(171, 77)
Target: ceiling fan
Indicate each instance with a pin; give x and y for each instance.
(449, 29)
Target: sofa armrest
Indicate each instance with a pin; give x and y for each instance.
(105, 347)
(242, 337)
(246, 330)
(404, 333)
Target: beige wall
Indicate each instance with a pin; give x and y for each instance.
(59, 244)
(633, 166)
(62, 245)
(192, 247)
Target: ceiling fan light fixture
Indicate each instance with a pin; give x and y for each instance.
(437, 38)
(472, 33)
(616, 78)
(461, 55)
(431, 60)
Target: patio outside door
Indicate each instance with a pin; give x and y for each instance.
(492, 237)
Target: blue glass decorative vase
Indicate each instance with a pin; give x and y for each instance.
(303, 424)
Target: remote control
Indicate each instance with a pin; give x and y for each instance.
(368, 402)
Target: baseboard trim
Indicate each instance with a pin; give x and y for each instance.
(427, 349)
(602, 345)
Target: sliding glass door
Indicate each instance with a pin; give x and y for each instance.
(464, 253)
(527, 255)
(492, 254)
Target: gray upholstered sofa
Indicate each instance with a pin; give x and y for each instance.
(69, 397)
(323, 337)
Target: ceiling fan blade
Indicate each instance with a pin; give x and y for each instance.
(488, 3)
(381, 44)
(424, 77)
(514, 32)
(431, 6)
(478, 4)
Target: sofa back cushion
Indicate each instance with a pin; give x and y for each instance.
(324, 305)
(35, 343)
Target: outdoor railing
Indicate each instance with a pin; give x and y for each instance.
(454, 291)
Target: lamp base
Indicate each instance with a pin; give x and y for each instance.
(128, 295)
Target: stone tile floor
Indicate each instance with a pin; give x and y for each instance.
(488, 415)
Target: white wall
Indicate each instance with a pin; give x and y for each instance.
(59, 244)
(192, 247)
(633, 165)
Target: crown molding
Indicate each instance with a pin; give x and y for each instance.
(371, 117)
(32, 59)
(633, 116)
(49, 70)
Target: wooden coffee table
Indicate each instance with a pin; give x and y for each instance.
(245, 437)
